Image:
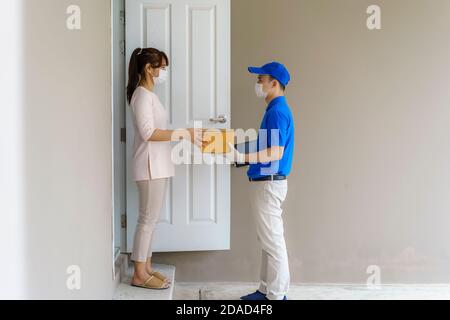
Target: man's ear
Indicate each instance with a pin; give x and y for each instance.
(274, 83)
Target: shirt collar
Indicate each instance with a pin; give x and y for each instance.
(274, 102)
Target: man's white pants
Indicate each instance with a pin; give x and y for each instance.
(266, 198)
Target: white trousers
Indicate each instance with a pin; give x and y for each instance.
(266, 198)
(151, 198)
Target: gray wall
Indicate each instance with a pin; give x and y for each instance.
(371, 179)
(67, 143)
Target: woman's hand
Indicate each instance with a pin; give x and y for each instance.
(196, 137)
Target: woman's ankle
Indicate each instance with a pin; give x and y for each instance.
(141, 276)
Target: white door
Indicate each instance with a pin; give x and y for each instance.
(195, 34)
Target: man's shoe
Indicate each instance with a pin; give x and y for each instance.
(258, 295)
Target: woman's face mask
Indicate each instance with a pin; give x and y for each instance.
(162, 78)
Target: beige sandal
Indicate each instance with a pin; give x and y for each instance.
(153, 283)
(161, 277)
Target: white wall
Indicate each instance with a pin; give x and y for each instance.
(12, 181)
(56, 150)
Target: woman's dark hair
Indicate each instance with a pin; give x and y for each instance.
(139, 60)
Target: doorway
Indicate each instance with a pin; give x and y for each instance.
(196, 214)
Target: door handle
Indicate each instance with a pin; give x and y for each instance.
(221, 119)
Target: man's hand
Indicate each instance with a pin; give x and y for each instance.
(234, 156)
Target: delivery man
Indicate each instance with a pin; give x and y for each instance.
(269, 168)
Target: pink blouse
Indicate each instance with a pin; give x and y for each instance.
(151, 160)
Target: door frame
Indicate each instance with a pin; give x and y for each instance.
(118, 123)
(117, 129)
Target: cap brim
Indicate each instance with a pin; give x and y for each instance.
(256, 70)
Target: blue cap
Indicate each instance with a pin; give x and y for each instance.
(274, 69)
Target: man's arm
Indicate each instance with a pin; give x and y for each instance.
(265, 156)
(275, 140)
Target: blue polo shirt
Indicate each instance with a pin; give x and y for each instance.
(277, 129)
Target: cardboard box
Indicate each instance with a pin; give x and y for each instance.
(218, 141)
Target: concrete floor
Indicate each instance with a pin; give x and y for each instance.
(232, 291)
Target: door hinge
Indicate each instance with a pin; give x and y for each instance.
(122, 17)
(123, 221)
(122, 46)
(123, 135)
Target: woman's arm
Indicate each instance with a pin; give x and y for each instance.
(194, 135)
(162, 135)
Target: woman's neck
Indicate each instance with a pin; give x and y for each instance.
(149, 85)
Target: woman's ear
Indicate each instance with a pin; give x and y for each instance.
(149, 69)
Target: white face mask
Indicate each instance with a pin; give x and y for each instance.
(163, 74)
(259, 90)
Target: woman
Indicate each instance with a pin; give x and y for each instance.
(152, 163)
